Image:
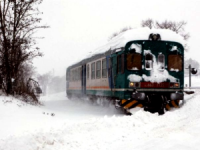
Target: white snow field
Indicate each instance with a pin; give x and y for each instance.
(62, 124)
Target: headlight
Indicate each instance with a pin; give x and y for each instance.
(131, 84)
(134, 84)
(174, 85)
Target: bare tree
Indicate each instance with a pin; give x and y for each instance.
(44, 80)
(148, 23)
(178, 27)
(19, 20)
(25, 86)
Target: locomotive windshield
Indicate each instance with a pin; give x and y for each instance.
(175, 62)
(134, 61)
(160, 54)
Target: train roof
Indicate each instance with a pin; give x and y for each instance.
(120, 41)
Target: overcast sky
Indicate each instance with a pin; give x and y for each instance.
(78, 27)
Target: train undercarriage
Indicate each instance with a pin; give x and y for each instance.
(152, 102)
(148, 101)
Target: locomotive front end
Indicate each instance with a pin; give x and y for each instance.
(154, 74)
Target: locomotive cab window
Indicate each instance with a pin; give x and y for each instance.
(148, 61)
(134, 61)
(175, 62)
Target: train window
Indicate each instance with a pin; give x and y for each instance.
(71, 75)
(175, 62)
(70, 79)
(93, 70)
(148, 61)
(75, 74)
(88, 71)
(134, 61)
(161, 61)
(79, 73)
(98, 69)
(104, 73)
(120, 63)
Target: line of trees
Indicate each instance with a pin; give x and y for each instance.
(178, 27)
(51, 83)
(19, 20)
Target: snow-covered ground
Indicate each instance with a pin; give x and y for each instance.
(75, 125)
(195, 81)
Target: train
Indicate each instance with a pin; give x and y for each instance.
(138, 68)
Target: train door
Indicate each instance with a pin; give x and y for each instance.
(83, 80)
(109, 69)
(114, 69)
(118, 74)
(118, 69)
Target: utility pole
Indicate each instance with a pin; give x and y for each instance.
(191, 71)
(189, 76)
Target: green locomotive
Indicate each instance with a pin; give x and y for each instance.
(139, 68)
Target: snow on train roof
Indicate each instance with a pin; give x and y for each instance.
(131, 35)
(137, 34)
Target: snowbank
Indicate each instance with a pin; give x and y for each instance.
(80, 126)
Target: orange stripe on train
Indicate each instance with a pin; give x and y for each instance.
(92, 87)
(98, 87)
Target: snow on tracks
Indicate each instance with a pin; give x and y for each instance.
(177, 129)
